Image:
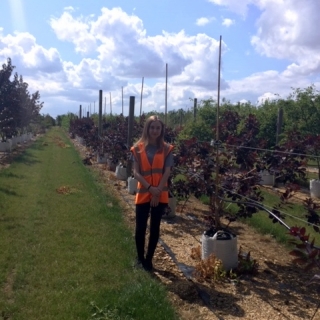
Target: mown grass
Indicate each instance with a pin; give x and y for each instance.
(305, 183)
(67, 255)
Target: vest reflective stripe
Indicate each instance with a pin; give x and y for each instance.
(145, 190)
(151, 173)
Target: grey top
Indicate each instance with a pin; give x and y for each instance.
(151, 151)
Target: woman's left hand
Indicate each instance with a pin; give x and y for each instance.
(154, 201)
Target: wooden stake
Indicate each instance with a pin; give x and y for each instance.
(217, 201)
(122, 99)
(141, 97)
(166, 96)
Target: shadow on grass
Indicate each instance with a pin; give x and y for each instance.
(24, 154)
(28, 160)
(6, 174)
(9, 192)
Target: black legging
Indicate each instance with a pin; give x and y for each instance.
(142, 214)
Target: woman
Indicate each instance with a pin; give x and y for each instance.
(152, 165)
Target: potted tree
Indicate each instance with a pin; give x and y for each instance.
(208, 171)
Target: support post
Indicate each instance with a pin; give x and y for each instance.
(122, 99)
(166, 97)
(100, 114)
(110, 105)
(141, 98)
(279, 124)
(217, 201)
(130, 129)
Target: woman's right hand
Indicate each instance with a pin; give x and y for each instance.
(154, 201)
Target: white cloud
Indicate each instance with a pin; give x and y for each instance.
(265, 84)
(227, 22)
(267, 96)
(199, 54)
(238, 6)
(124, 50)
(69, 9)
(286, 30)
(76, 31)
(114, 48)
(27, 55)
(203, 21)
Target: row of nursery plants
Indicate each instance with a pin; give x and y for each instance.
(19, 109)
(229, 170)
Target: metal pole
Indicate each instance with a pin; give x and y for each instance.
(217, 201)
(110, 105)
(80, 112)
(141, 97)
(100, 113)
(195, 109)
(279, 124)
(122, 99)
(166, 96)
(130, 129)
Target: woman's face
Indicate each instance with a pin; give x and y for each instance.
(155, 130)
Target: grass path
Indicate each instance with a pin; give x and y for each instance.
(65, 252)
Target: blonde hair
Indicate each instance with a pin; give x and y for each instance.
(145, 133)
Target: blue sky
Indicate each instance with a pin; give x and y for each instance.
(69, 50)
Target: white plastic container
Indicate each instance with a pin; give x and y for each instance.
(121, 172)
(224, 246)
(267, 179)
(13, 143)
(172, 205)
(315, 188)
(5, 146)
(132, 185)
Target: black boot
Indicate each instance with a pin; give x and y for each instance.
(140, 241)
(147, 264)
(139, 264)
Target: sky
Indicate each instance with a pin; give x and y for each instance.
(166, 51)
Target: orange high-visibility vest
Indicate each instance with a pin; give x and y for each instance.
(151, 173)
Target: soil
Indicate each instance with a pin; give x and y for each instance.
(277, 291)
